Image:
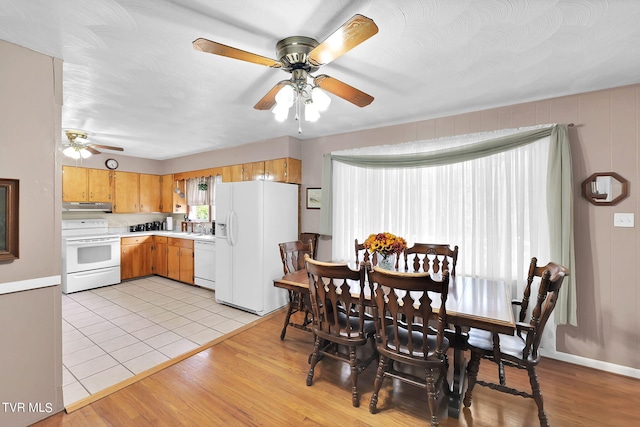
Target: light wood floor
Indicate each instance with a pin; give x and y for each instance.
(254, 379)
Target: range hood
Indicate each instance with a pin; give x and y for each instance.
(86, 207)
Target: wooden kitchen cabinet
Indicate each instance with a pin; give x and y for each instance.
(166, 193)
(150, 189)
(126, 192)
(243, 172)
(253, 171)
(232, 173)
(285, 169)
(86, 185)
(100, 185)
(180, 260)
(159, 254)
(136, 257)
(75, 182)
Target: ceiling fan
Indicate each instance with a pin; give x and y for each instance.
(79, 145)
(302, 56)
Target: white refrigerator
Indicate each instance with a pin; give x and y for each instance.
(252, 217)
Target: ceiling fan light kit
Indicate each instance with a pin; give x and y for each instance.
(302, 56)
(79, 146)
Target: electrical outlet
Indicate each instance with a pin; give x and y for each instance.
(623, 220)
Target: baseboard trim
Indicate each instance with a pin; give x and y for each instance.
(592, 363)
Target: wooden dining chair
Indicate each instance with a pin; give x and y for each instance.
(363, 255)
(292, 255)
(522, 349)
(305, 237)
(339, 324)
(431, 257)
(408, 342)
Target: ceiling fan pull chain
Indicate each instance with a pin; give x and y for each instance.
(299, 113)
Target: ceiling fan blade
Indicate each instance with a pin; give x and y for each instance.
(216, 48)
(351, 34)
(269, 100)
(91, 150)
(343, 90)
(108, 147)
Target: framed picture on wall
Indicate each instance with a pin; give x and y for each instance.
(314, 198)
(9, 219)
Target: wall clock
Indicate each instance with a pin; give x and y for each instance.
(111, 164)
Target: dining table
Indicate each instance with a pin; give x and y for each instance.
(471, 302)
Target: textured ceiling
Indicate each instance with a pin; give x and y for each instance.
(132, 78)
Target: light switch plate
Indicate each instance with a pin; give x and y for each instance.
(623, 220)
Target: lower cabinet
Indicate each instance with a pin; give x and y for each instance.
(164, 256)
(159, 253)
(180, 260)
(135, 257)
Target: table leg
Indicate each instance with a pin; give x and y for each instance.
(459, 366)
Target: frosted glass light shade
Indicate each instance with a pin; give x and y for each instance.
(281, 112)
(285, 96)
(71, 152)
(311, 113)
(320, 99)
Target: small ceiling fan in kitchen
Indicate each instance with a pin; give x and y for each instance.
(301, 56)
(78, 145)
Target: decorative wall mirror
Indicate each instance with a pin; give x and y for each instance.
(9, 203)
(605, 188)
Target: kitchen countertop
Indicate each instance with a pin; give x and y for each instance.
(176, 234)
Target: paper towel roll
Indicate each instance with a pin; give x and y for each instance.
(169, 223)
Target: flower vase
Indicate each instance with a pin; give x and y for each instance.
(387, 262)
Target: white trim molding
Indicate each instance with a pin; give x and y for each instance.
(29, 284)
(592, 363)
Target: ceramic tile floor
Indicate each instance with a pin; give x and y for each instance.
(112, 333)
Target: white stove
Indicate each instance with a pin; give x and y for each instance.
(90, 255)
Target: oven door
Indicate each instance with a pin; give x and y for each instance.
(84, 254)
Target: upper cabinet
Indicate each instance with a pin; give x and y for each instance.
(100, 185)
(150, 188)
(127, 192)
(166, 193)
(131, 192)
(232, 173)
(283, 170)
(86, 185)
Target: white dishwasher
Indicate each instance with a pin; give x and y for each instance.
(205, 263)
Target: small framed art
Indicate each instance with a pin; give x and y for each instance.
(314, 198)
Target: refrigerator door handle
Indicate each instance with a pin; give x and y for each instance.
(231, 232)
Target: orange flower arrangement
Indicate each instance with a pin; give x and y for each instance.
(385, 244)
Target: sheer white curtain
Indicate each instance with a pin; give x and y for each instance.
(198, 197)
(493, 208)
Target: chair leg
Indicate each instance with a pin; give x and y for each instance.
(501, 376)
(537, 395)
(472, 376)
(353, 364)
(287, 318)
(432, 396)
(382, 367)
(314, 359)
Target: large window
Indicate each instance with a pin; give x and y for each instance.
(502, 197)
(493, 208)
